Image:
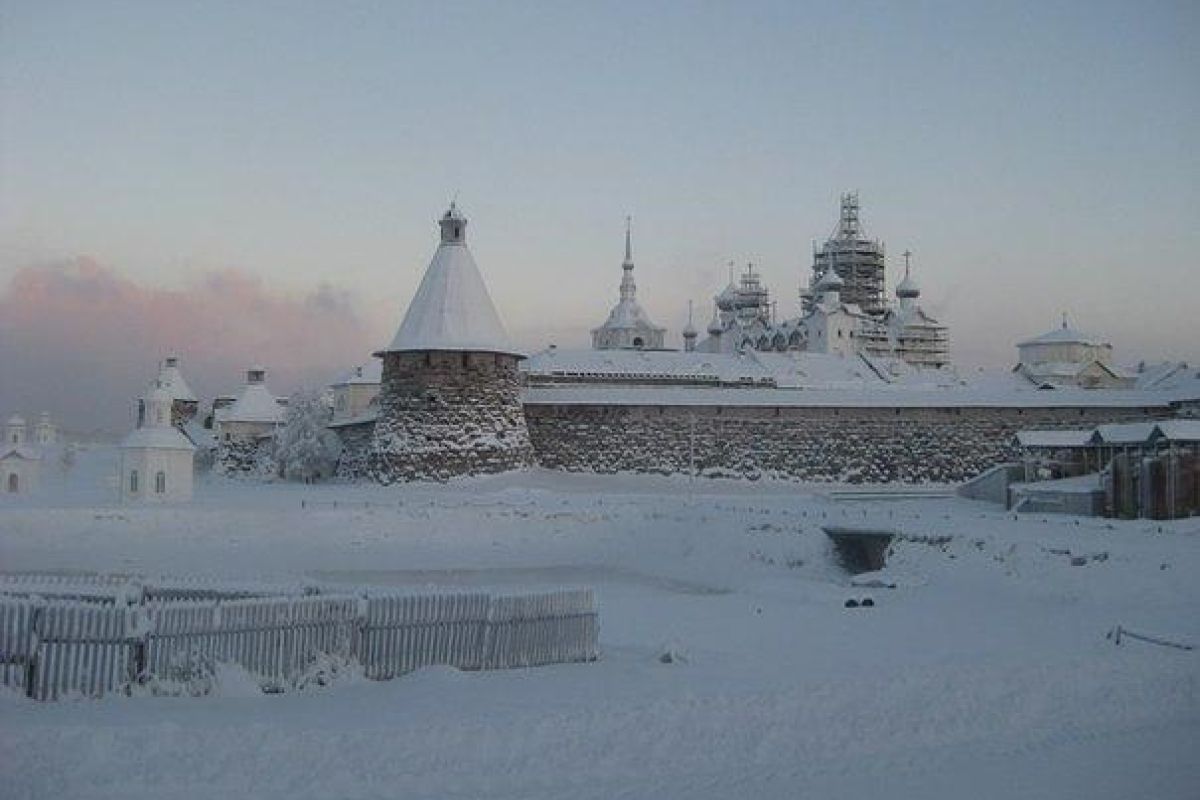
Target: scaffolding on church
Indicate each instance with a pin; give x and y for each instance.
(858, 261)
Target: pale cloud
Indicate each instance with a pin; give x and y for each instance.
(80, 340)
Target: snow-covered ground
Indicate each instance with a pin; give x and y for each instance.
(984, 673)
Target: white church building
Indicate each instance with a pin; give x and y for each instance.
(20, 462)
(628, 327)
(1065, 356)
(156, 458)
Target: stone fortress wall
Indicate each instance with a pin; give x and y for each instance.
(845, 444)
(804, 443)
(442, 413)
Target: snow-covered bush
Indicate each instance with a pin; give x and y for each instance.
(305, 449)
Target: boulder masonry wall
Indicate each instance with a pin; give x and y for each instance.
(447, 413)
(845, 444)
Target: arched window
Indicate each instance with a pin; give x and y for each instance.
(160, 482)
(133, 481)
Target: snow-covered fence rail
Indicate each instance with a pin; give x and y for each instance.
(273, 638)
(531, 630)
(136, 589)
(406, 632)
(53, 648)
(85, 588)
(18, 644)
(81, 649)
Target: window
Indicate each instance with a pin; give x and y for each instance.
(160, 482)
(13, 483)
(133, 480)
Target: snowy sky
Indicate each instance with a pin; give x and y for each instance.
(1035, 157)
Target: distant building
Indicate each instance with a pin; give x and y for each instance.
(906, 331)
(628, 327)
(20, 463)
(831, 326)
(847, 273)
(356, 395)
(1068, 357)
(255, 414)
(156, 458)
(45, 433)
(742, 319)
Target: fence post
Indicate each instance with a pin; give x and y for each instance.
(139, 648)
(31, 666)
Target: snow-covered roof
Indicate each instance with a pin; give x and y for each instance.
(1179, 430)
(171, 380)
(1159, 374)
(452, 309)
(157, 438)
(254, 404)
(648, 366)
(1123, 433)
(1066, 370)
(369, 373)
(199, 435)
(882, 396)
(798, 370)
(628, 313)
(24, 452)
(1064, 335)
(1055, 439)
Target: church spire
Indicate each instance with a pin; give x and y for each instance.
(628, 242)
(628, 287)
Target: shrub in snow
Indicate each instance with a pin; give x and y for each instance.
(241, 458)
(189, 673)
(66, 459)
(672, 654)
(325, 669)
(306, 450)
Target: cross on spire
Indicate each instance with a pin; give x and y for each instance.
(628, 240)
(907, 255)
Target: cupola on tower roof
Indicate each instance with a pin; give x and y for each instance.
(908, 288)
(452, 309)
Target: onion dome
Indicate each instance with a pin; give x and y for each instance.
(727, 300)
(714, 327)
(830, 281)
(908, 288)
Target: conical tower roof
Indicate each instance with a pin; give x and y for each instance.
(452, 309)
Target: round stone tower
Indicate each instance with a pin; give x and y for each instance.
(449, 401)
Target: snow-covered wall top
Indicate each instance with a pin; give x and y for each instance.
(882, 397)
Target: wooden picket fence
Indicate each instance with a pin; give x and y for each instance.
(52, 647)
